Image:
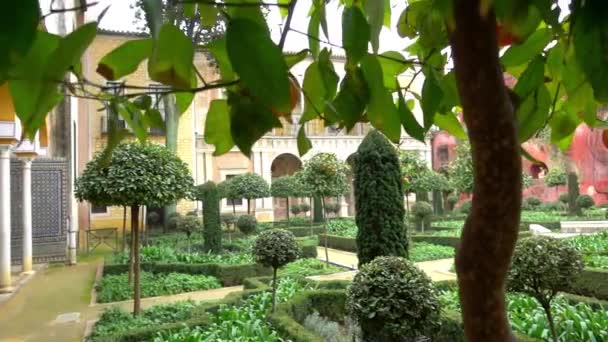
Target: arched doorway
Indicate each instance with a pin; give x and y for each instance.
(285, 164)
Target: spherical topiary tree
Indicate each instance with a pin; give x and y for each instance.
(296, 209)
(393, 300)
(248, 186)
(324, 175)
(564, 197)
(172, 220)
(556, 177)
(422, 212)
(452, 200)
(531, 203)
(465, 207)
(541, 267)
(247, 224)
(584, 202)
(212, 228)
(135, 175)
(284, 187)
(275, 248)
(304, 208)
(189, 224)
(379, 200)
(227, 190)
(229, 221)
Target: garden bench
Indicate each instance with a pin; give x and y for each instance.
(583, 226)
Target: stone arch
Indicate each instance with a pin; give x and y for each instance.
(285, 164)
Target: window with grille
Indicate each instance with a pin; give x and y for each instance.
(115, 88)
(158, 101)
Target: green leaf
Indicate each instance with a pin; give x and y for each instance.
(293, 59)
(189, 9)
(349, 104)
(18, 26)
(45, 65)
(374, 10)
(259, 63)
(153, 118)
(132, 116)
(283, 10)
(387, 14)
(125, 59)
(208, 15)
(328, 73)
(431, 99)
(590, 35)
(315, 93)
(393, 64)
(534, 45)
(355, 34)
(153, 10)
(407, 26)
(381, 110)
(252, 12)
(555, 61)
(217, 127)
(249, 121)
(219, 52)
(143, 102)
(531, 78)
(533, 112)
(432, 30)
(408, 120)
(304, 144)
(451, 97)
(183, 100)
(313, 33)
(563, 124)
(171, 61)
(449, 123)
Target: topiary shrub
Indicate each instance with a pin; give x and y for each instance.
(584, 202)
(552, 206)
(541, 267)
(332, 208)
(228, 219)
(304, 207)
(531, 203)
(188, 224)
(393, 300)
(275, 248)
(564, 197)
(422, 212)
(296, 209)
(212, 233)
(192, 213)
(452, 200)
(172, 221)
(465, 207)
(379, 200)
(153, 218)
(247, 224)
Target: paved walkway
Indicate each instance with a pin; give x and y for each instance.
(436, 269)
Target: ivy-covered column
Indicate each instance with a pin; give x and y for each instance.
(5, 220)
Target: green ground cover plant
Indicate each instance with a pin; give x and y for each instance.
(167, 255)
(114, 288)
(308, 267)
(245, 323)
(115, 320)
(594, 249)
(578, 322)
(422, 251)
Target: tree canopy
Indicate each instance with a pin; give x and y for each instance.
(283, 187)
(325, 175)
(135, 174)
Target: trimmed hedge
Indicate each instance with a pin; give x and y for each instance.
(339, 242)
(228, 275)
(305, 230)
(592, 282)
(308, 247)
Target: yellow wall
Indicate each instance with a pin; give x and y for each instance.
(188, 121)
(7, 110)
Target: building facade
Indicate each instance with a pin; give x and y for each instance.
(274, 155)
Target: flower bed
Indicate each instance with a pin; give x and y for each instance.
(574, 322)
(114, 288)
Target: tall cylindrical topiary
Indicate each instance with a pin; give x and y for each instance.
(379, 200)
(212, 227)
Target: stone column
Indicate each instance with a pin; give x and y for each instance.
(27, 215)
(343, 207)
(5, 220)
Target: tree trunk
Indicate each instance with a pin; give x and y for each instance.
(136, 265)
(324, 227)
(233, 207)
(171, 123)
(131, 256)
(124, 228)
(490, 231)
(547, 308)
(287, 211)
(573, 194)
(248, 207)
(274, 288)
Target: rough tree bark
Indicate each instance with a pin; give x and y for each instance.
(490, 232)
(136, 261)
